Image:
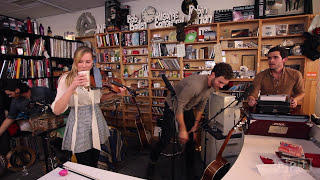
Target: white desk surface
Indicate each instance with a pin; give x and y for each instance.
(99, 174)
(254, 146)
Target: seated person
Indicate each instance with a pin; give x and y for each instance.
(23, 96)
(278, 79)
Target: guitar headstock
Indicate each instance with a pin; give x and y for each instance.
(241, 122)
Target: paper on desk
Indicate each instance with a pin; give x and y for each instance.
(283, 172)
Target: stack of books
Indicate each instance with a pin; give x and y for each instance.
(293, 155)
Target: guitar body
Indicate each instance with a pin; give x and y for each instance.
(143, 135)
(216, 169)
(219, 167)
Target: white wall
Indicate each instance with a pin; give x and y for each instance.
(67, 22)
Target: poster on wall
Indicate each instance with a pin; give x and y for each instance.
(277, 8)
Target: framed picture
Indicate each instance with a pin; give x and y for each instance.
(248, 60)
(277, 8)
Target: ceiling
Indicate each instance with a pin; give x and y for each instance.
(22, 9)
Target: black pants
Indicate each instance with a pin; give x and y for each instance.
(168, 132)
(89, 158)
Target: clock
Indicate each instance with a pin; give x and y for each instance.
(148, 14)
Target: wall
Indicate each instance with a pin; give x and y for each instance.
(317, 105)
(316, 5)
(67, 22)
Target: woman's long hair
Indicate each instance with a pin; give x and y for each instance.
(78, 54)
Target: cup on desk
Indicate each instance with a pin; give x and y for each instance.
(87, 74)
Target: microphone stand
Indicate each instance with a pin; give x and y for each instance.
(173, 98)
(205, 126)
(221, 110)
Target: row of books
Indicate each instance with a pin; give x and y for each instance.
(158, 101)
(202, 53)
(22, 68)
(157, 110)
(62, 48)
(38, 82)
(134, 39)
(161, 49)
(104, 40)
(128, 100)
(108, 56)
(158, 92)
(282, 29)
(38, 47)
(25, 44)
(172, 64)
(239, 87)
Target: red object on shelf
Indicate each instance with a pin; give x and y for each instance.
(135, 52)
(266, 160)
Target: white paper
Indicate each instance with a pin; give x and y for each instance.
(181, 50)
(283, 172)
(278, 97)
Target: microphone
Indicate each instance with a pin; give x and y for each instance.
(168, 85)
(246, 93)
(121, 85)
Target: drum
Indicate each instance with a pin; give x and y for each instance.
(113, 151)
(19, 157)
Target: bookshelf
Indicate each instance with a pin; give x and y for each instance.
(29, 57)
(151, 88)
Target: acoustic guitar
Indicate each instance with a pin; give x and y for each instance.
(219, 167)
(144, 136)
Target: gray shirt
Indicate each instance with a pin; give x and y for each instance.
(192, 91)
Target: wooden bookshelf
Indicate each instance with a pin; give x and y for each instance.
(233, 57)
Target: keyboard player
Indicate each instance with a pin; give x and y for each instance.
(278, 79)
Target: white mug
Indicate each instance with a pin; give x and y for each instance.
(87, 73)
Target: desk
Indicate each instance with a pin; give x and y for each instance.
(254, 146)
(92, 172)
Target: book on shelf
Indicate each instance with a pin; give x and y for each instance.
(4, 68)
(223, 15)
(281, 29)
(210, 35)
(191, 34)
(238, 44)
(296, 29)
(62, 48)
(163, 50)
(172, 36)
(188, 52)
(243, 12)
(269, 30)
(155, 50)
(135, 39)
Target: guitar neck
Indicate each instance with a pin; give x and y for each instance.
(219, 155)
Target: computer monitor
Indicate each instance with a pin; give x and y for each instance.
(229, 117)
